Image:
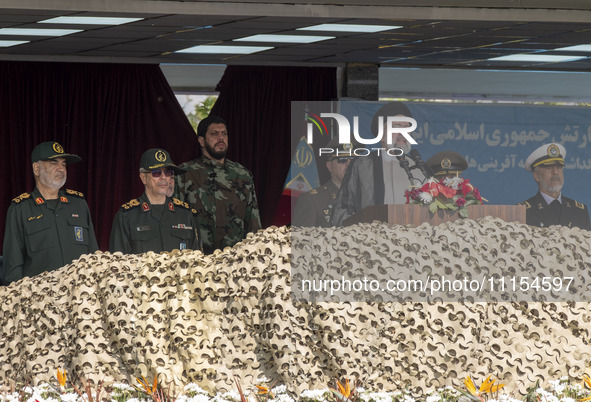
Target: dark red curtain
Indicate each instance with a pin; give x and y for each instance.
(109, 114)
(255, 101)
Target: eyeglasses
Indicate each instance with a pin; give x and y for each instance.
(340, 160)
(157, 173)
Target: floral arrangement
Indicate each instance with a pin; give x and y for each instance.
(451, 193)
(560, 390)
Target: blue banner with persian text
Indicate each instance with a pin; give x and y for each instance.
(496, 140)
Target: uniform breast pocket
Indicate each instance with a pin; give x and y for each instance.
(78, 230)
(143, 238)
(182, 234)
(40, 234)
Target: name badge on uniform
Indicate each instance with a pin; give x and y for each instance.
(78, 233)
(183, 246)
(142, 228)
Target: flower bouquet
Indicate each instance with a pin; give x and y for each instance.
(453, 193)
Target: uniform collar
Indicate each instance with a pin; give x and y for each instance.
(145, 205)
(549, 199)
(40, 200)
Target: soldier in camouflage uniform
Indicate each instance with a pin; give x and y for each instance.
(314, 208)
(154, 221)
(49, 227)
(220, 190)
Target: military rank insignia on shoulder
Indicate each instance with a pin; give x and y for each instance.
(131, 204)
(314, 191)
(21, 197)
(527, 204)
(75, 193)
(579, 205)
(180, 203)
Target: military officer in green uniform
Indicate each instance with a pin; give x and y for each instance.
(155, 221)
(222, 191)
(49, 227)
(549, 207)
(314, 208)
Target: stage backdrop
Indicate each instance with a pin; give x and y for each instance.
(496, 140)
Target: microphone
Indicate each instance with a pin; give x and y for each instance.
(406, 166)
(416, 157)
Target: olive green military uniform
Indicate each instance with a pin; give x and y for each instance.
(314, 208)
(225, 200)
(43, 235)
(140, 227)
(570, 213)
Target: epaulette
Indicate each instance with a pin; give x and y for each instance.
(75, 193)
(527, 204)
(131, 204)
(314, 191)
(21, 197)
(180, 203)
(579, 204)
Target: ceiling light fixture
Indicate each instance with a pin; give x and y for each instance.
(37, 31)
(212, 49)
(284, 38)
(350, 28)
(87, 20)
(537, 58)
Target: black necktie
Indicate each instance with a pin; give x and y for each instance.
(556, 207)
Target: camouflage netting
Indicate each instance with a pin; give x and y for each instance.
(190, 317)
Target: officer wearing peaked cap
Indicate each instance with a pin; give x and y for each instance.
(447, 164)
(314, 208)
(155, 221)
(49, 227)
(549, 207)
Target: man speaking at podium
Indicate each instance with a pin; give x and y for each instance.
(378, 179)
(549, 207)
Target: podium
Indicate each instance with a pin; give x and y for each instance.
(413, 214)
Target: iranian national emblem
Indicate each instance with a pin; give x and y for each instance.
(160, 156)
(58, 148)
(445, 163)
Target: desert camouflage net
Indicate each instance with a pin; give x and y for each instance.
(191, 317)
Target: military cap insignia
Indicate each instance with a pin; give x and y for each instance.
(160, 156)
(579, 205)
(21, 197)
(553, 151)
(445, 163)
(58, 148)
(75, 193)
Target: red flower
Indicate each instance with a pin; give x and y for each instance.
(460, 202)
(466, 187)
(477, 194)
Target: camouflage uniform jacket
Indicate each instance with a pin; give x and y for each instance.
(42, 235)
(225, 200)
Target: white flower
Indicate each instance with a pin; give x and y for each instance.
(317, 394)
(261, 380)
(433, 398)
(192, 387)
(453, 182)
(70, 397)
(425, 198)
(281, 389)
